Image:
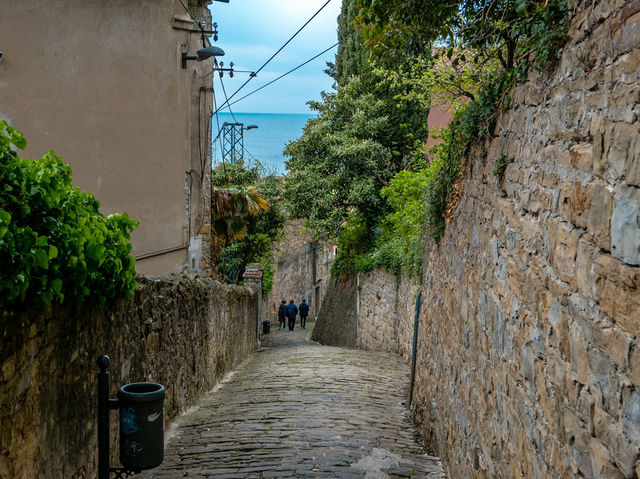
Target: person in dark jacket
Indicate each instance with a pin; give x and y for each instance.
(304, 312)
(292, 312)
(282, 313)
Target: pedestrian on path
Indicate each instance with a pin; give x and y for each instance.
(292, 312)
(282, 313)
(304, 312)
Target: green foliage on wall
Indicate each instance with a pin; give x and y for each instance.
(492, 42)
(55, 245)
(500, 166)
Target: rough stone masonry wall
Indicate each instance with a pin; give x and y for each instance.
(374, 311)
(301, 268)
(529, 360)
(184, 334)
(386, 306)
(337, 323)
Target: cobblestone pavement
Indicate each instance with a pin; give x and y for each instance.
(299, 409)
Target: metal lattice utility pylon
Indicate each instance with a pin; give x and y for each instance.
(232, 142)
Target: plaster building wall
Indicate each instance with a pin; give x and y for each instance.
(101, 83)
(301, 270)
(184, 334)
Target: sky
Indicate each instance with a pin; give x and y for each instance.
(250, 31)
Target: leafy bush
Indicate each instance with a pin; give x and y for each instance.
(353, 242)
(246, 238)
(55, 245)
(471, 123)
(254, 248)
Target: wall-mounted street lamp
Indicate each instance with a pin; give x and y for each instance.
(202, 54)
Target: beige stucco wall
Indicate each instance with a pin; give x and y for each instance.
(101, 83)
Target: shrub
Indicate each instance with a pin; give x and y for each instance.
(55, 245)
(246, 238)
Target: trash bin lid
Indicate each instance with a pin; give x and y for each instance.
(141, 392)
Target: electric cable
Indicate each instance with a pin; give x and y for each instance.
(224, 90)
(217, 138)
(254, 74)
(285, 74)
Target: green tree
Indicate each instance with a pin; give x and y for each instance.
(362, 136)
(483, 48)
(517, 33)
(352, 57)
(397, 29)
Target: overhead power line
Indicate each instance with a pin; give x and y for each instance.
(254, 74)
(285, 74)
(224, 90)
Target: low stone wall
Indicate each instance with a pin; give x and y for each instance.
(529, 352)
(184, 334)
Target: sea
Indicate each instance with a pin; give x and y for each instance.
(267, 142)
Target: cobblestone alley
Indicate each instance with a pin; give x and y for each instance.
(299, 409)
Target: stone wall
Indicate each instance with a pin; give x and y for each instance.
(529, 340)
(184, 334)
(337, 323)
(529, 352)
(386, 306)
(301, 270)
(373, 311)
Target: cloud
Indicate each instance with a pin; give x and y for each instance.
(253, 30)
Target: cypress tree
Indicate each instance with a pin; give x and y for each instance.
(352, 56)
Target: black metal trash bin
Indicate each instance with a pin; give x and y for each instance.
(266, 327)
(141, 425)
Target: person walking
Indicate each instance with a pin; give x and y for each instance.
(304, 312)
(292, 312)
(282, 313)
